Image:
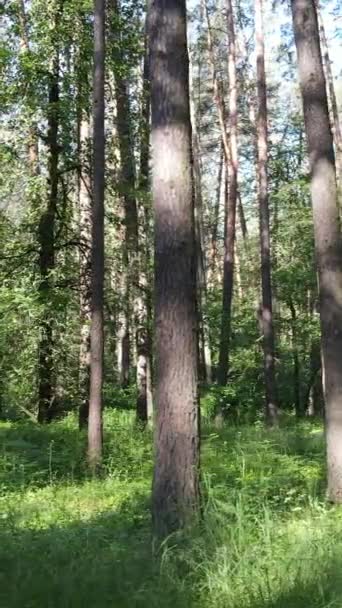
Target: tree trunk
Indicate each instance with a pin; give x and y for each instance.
(144, 338)
(200, 248)
(84, 195)
(175, 498)
(296, 366)
(327, 230)
(97, 245)
(335, 120)
(266, 311)
(229, 245)
(134, 258)
(46, 235)
(214, 234)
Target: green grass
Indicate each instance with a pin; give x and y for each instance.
(268, 538)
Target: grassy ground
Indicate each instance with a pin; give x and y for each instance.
(268, 539)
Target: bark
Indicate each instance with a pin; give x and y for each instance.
(266, 310)
(242, 218)
(144, 338)
(314, 393)
(84, 196)
(46, 237)
(97, 245)
(335, 120)
(200, 250)
(296, 365)
(175, 500)
(328, 243)
(214, 235)
(230, 220)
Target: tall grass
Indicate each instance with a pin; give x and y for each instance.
(267, 538)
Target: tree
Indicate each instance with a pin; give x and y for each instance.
(328, 243)
(97, 245)
(266, 310)
(46, 237)
(230, 216)
(176, 474)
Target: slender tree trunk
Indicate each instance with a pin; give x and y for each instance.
(229, 246)
(84, 195)
(335, 120)
(266, 310)
(144, 338)
(132, 237)
(200, 248)
(242, 218)
(97, 245)
(214, 234)
(175, 498)
(327, 230)
(296, 365)
(46, 235)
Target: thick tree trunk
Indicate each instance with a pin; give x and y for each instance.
(266, 310)
(97, 245)
(84, 196)
(335, 120)
(230, 228)
(46, 235)
(175, 499)
(327, 230)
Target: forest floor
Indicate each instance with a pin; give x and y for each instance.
(268, 538)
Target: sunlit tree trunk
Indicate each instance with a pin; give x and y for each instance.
(84, 202)
(327, 229)
(175, 499)
(230, 219)
(266, 309)
(97, 245)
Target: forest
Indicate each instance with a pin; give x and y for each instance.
(170, 304)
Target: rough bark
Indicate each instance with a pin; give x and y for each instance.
(175, 499)
(46, 237)
(230, 219)
(266, 309)
(328, 243)
(335, 120)
(97, 245)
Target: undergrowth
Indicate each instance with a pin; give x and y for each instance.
(268, 539)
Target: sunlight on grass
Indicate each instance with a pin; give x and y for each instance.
(268, 539)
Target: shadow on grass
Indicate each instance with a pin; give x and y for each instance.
(103, 562)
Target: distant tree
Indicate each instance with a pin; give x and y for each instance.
(176, 473)
(266, 310)
(328, 242)
(97, 259)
